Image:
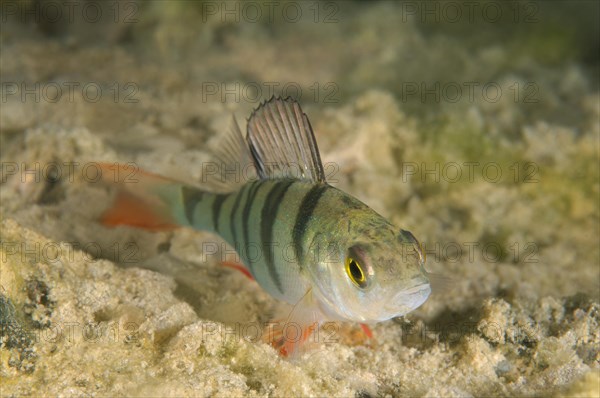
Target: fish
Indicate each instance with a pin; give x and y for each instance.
(304, 241)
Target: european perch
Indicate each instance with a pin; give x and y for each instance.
(348, 264)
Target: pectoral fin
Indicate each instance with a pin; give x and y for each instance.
(289, 336)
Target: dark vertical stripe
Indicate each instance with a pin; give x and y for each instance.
(232, 218)
(191, 197)
(216, 210)
(307, 207)
(267, 221)
(246, 216)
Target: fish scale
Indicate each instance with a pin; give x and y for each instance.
(282, 209)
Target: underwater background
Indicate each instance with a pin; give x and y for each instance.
(473, 124)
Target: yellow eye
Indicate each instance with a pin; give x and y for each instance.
(355, 272)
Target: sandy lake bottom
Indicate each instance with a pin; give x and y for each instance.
(480, 136)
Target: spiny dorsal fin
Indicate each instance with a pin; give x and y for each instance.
(282, 142)
(232, 157)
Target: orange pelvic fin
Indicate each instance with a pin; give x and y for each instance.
(289, 338)
(367, 330)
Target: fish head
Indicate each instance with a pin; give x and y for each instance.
(374, 277)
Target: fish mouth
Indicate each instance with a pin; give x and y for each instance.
(412, 298)
(417, 290)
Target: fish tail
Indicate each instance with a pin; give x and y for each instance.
(144, 200)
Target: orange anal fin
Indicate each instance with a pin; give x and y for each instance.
(128, 209)
(238, 267)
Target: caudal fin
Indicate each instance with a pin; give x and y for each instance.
(128, 209)
(138, 203)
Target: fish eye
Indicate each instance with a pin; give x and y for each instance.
(355, 272)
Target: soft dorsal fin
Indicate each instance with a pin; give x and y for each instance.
(282, 142)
